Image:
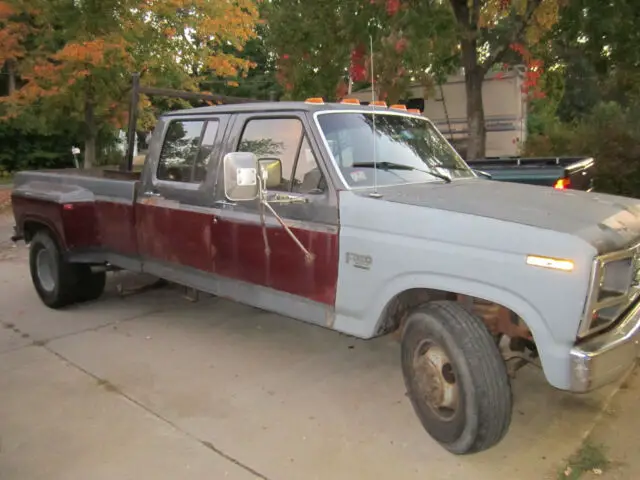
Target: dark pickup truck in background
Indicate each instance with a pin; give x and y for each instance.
(561, 173)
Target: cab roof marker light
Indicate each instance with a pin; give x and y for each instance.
(351, 101)
(317, 100)
(399, 107)
(552, 263)
(413, 110)
(378, 103)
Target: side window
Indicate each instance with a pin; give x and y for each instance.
(284, 139)
(180, 150)
(206, 148)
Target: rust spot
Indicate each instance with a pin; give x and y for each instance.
(497, 318)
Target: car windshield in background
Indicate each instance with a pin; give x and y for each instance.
(406, 148)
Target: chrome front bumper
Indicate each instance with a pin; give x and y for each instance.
(606, 357)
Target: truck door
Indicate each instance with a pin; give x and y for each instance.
(172, 217)
(267, 256)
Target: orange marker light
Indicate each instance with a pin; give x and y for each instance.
(399, 107)
(351, 101)
(414, 110)
(318, 100)
(562, 184)
(378, 103)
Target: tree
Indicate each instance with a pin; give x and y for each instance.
(311, 58)
(595, 44)
(488, 31)
(260, 82)
(409, 39)
(87, 49)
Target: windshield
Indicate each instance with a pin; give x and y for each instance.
(406, 149)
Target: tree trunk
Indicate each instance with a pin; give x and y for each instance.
(473, 78)
(11, 73)
(476, 142)
(90, 135)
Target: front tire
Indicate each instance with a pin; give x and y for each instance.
(456, 378)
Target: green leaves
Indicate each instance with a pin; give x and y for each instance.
(78, 66)
(318, 43)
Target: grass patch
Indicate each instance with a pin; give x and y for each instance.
(590, 457)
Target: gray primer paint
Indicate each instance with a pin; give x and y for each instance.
(54, 193)
(607, 222)
(70, 182)
(417, 245)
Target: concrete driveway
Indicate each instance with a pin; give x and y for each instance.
(154, 386)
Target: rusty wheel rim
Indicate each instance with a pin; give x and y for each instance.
(437, 381)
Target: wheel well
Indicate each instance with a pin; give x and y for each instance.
(31, 227)
(499, 319)
(399, 306)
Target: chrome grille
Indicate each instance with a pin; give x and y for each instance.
(615, 285)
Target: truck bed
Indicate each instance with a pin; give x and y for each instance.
(93, 209)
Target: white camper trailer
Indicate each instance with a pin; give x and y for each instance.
(505, 110)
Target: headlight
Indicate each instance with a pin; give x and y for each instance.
(614, 286)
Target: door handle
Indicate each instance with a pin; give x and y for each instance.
(225, 203)
(152, 194)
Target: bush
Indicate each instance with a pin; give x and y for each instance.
(610, 134)
(27, 151)
(22, 150)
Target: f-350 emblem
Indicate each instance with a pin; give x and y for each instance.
(359, 261)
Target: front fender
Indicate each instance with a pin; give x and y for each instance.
(553, 355)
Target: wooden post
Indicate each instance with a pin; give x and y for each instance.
(127, 163)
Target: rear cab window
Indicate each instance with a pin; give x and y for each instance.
(186, 150)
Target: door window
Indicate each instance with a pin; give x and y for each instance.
(284, 139)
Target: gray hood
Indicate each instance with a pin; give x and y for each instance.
(607, 222)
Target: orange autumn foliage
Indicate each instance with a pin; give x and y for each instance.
(104, 43)
(12, 34)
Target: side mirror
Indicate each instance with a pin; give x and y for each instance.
(483, 174)
(271, 172)
(240, 176)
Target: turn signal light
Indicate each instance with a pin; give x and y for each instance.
(547, 262)
(562, 184)
(351, 101)
(319, 100)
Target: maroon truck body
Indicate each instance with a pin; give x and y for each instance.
(153, 230)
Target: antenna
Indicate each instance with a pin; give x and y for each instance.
(375, 193)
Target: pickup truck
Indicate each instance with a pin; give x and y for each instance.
(364, 220)
(560, 173)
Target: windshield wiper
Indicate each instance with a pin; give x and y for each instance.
(400, 166)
